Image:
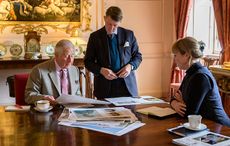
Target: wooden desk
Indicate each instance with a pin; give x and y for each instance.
(22, 63)
(42, 129)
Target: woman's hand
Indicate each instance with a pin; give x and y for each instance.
(179, 107)
(178, 96)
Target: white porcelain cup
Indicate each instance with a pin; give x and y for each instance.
(194, 121)
(42, 104)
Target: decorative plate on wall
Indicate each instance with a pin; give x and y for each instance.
(16, 50)
(3, 50)
(49, 50)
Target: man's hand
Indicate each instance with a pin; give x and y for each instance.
(108, 73)
(125, 71)
(179, 107)
(51, 99)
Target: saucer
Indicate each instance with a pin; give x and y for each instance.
(40, 110)
(201, 127)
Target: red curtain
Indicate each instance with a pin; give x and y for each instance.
(181, 11)
(222, 15)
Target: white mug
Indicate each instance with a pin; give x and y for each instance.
(194, 121)
(42, 104)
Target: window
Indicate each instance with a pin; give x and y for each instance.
(202, 26)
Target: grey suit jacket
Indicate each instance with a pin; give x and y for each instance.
(97, 56)
(43, 80)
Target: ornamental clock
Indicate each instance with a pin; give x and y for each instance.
(32, 44)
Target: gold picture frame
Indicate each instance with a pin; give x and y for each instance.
(39, 15)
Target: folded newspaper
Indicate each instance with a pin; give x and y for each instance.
(116, 121)
(205, 138)
(66, 99)
(120, 101)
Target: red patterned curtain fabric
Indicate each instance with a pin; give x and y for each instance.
(181, 11)
(222, 15)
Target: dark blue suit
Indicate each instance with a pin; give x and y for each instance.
(98, 55)
(201, 94)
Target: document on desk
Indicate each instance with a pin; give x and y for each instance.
(120, 101)
(67, 99)
(108, 128)
(14, 108)
(98, 114)
(116, 121)
(205, 138)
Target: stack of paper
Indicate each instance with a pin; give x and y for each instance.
(205, 138)
(115, 121)
(120, 101)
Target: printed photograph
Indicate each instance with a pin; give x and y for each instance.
(211, 139)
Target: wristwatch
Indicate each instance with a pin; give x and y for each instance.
(132, 67)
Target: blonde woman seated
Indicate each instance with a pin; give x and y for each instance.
(198, 93)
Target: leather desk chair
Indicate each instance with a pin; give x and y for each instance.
(19, 87)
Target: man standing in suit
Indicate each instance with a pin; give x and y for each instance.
(112, 55)
(54, 77)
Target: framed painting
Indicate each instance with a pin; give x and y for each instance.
(41, 10)
(71, 16)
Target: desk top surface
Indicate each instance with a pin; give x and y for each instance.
(42, 129)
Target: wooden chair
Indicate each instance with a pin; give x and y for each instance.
(19, 87)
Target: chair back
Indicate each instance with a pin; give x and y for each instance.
(19, 87)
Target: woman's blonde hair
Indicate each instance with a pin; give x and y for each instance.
(188, 45)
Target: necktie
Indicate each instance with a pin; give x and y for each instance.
(64, 81)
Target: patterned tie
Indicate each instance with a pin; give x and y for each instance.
(64, 81)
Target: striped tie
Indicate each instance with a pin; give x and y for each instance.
(64, 81)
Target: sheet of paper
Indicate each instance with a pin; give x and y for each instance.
(16, 108)
(118, 131)
(66, 99)
(120, 101)
(205, 138)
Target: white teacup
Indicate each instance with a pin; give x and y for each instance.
(194, 121)
(42, 104)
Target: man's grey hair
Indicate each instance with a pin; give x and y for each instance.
(62, 44)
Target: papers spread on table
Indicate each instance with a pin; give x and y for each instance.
(182, 131)
(204, 138)
(120, 101)
(66, 99)
(157, 111)
(116, 121)
(17, 108)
